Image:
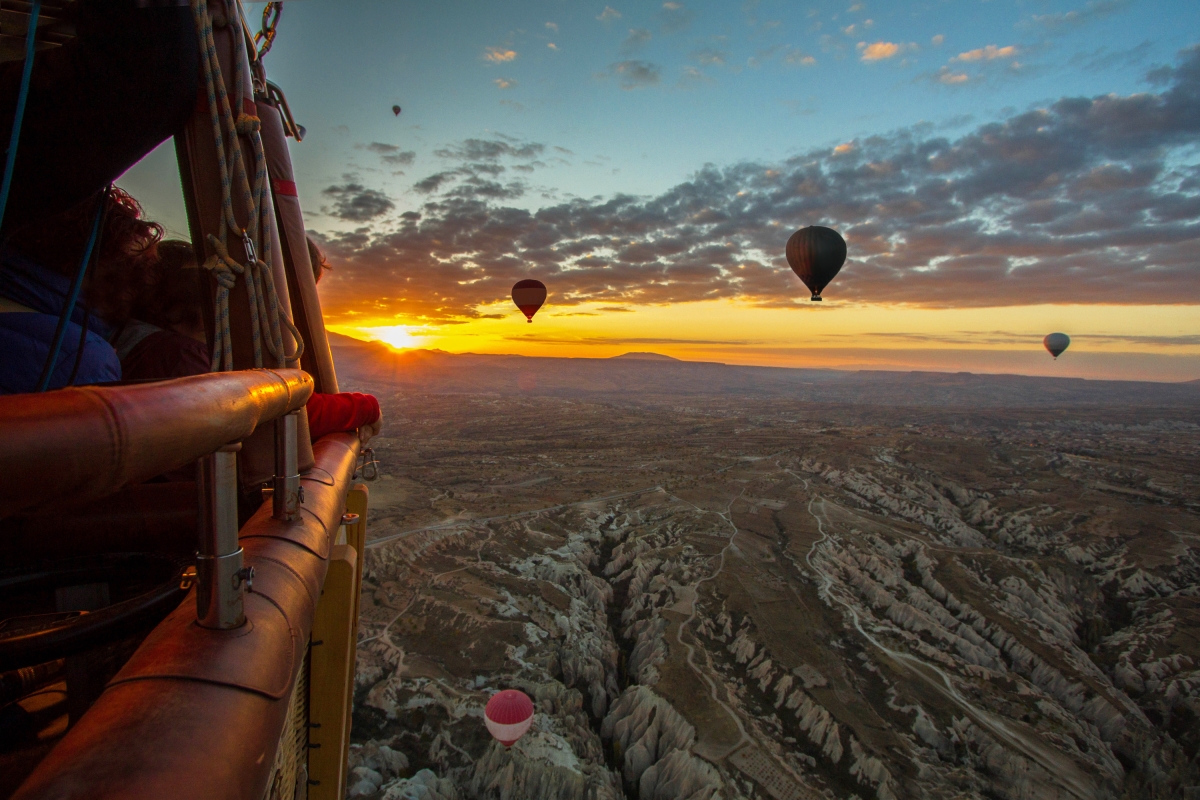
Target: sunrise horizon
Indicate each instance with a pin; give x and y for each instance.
(997, 176)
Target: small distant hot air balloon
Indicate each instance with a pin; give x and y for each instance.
(816, 254)
(508, 716)
(529, 296)
(1056, 343)
(396, 110)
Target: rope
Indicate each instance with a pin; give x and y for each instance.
(14, 138)
(73, 295)
(265, 318)
(83, 332)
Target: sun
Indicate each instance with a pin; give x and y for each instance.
(397, 336)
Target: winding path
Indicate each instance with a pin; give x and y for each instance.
(695, 588)
(1062, 771)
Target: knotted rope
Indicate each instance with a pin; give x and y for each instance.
(265, 318)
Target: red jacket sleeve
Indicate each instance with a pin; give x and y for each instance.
(335, 413)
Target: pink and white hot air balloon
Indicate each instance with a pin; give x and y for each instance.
(508, 716)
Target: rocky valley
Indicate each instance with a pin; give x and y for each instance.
(735, 597)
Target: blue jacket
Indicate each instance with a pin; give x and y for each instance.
(25, 337)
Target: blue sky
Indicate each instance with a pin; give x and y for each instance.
(723, 82)
(1036, 158)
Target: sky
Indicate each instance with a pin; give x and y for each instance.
(999, 170)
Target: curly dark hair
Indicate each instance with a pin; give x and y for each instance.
(123, 269)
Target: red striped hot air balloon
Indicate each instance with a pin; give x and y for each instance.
(529, 296)
(508, 716)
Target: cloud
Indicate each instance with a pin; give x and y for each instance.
(552, 45)
(1081, 16)
(692, 76)
(709, 57)
(636, 40)
(674, 18)
(634, 74)
(498, 55)
(552, 26)
(798, 58)
(433, 182)
(950, 77)
(880, 51)
(490, 150)
(1085, 200)
(1103, 58)
(609, 14)
(354, 203)
(505, 83)
(937, 40)
(551, 339)
(390, 153)
(1019, 338)
(479, 166)
(989, 53)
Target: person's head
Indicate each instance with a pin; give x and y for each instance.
(176, 301)
(319, 264)
(123, 266)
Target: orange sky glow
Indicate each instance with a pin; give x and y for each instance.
(1123, 342)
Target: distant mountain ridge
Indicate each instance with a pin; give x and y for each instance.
(374, 366)
(647, 357)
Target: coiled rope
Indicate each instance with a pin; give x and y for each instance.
(265, 319)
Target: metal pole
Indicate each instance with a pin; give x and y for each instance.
(287, 495)
(220, 577)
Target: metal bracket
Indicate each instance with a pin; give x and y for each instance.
(244, 577)
(368, 465)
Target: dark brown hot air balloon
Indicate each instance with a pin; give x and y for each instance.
(396, 110)
(529, 296)
(1056, 343)
(816, 254)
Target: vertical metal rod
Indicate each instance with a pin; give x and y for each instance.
(220, 578)
(286, 497)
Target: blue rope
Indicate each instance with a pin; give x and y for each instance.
(61, 331)
(22, 96)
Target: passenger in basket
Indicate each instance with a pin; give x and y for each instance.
(38, 265)
(167, 340)
(319, 263)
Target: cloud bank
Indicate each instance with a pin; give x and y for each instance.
(1088, 200)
